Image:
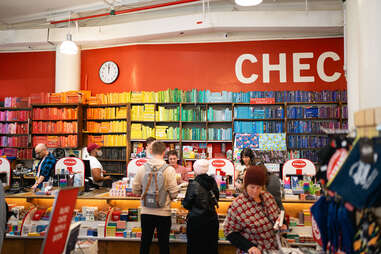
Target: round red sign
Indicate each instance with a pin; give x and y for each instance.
(140, 162)
(218, 163)
(299, 164)
(70, 162)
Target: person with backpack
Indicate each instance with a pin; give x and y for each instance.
(201, 199)
(156, 182)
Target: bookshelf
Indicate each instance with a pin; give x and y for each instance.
(14, 132)
(57, 125)
(107, 125)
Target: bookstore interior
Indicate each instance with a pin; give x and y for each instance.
(94, 120)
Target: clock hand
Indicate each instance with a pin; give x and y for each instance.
(108, 66)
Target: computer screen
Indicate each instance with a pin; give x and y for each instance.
(72, 237)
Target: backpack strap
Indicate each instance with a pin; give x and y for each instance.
(157, 190)
(147, 167)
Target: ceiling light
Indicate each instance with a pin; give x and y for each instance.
(69, 47)
(248, 2)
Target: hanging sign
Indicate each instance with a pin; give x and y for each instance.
(299, 167)
(133, 166)
(221, 167)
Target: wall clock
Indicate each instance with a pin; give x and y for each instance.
(109, 72)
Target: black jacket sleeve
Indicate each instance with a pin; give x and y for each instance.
(239, 241)
(190, 196)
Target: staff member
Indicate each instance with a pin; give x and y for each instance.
(148, 151)
(172, 159)
(44, 167)
(95, 166)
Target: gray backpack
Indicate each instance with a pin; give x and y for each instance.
(154, 194)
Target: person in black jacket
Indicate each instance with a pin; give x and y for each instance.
(201, 200)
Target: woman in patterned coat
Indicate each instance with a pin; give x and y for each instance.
(251, 216)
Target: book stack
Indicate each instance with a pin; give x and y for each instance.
(194, 134)
(196, 114)
(167, 114)
(55, 114)
(104, 127)
(54, 127)
(108, 140)
(14, 115)
(259, 127)
(220, 134)
(107, 113)
(14, 128)
(165, 132)
(56, 141)
(219, 114)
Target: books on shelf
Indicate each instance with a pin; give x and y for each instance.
(311, 155)
(108, 140)
(220, 134)
(140, 131)
(196, 114)
(194, 134)
(165, 132)
(295, 142)
(331, 111)
(215, 114)
(14, 128)
(21, 141)
(16, 102)
(54, 113)
(258, 112)
(167, 114)
(23, 154)
(143, 113)
(56, 141)
(112, 126)
(107, 113)
(298, 126)
(14, 115)
(113, 154)
(54, 127)
(110, 98)
(259, 127)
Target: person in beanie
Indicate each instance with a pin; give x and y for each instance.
(251, 216)
(201, 200)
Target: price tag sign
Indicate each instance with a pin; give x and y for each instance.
(133, 166)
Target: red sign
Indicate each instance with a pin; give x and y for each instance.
(262, 100)
(218, 163)
(299, 164)
(59, 225)
(70, 162)
(335, 162)
(140, 162)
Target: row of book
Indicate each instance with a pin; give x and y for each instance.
(56, 141)
(194, 134)
(109, 126)
(295, 142)
(258, 112)
(165, 132)
(194, 114)
(140, 131)
(54, 127)
(16, 102)
(55, 113)
(277, 157)
(14, 128)
(74, 97)
(311, 126)
(114, 167)
(215, 114)
(259, 127)
(107, 113)
(167, 114)
(143, 113)
(220, 134)
(311, 155)
(344, 112)
(113, 154)
(108, 140)
(23, 154)
(313, 112)
(14, 115)
(21, 141)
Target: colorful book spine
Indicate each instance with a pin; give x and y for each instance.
(13, 128)
(258, 127)
(14, 141)
(313, 112)
(296, 142)
(56, 141)
(55, 114)
(54, 127)
(110, 126)
(108, 140)
(311, 126)
(220, 134)
(194, 134)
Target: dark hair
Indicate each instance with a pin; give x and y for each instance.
(247, 152)
(150, 140)
(173, 153)
(158, 148)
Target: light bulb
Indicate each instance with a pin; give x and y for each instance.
(69, 47)
(248, 2)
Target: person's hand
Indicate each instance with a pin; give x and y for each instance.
(34, 187)
(254, 250)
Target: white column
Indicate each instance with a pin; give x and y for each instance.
(68, 71)
(363, 55)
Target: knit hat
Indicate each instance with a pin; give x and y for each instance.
(92, 146)
(255, 175)
(201, 167)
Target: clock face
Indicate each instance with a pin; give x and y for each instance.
(108, 72)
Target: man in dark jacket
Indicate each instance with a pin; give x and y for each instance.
(201, 200)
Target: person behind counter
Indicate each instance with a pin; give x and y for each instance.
(44, 167)
(252, 215)
(148, 151)
(95, 166)
(201, 200)
(156, 203)
(172, 159)
(247, 159)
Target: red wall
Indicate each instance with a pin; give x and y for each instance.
(208, 66)
(22, 74)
